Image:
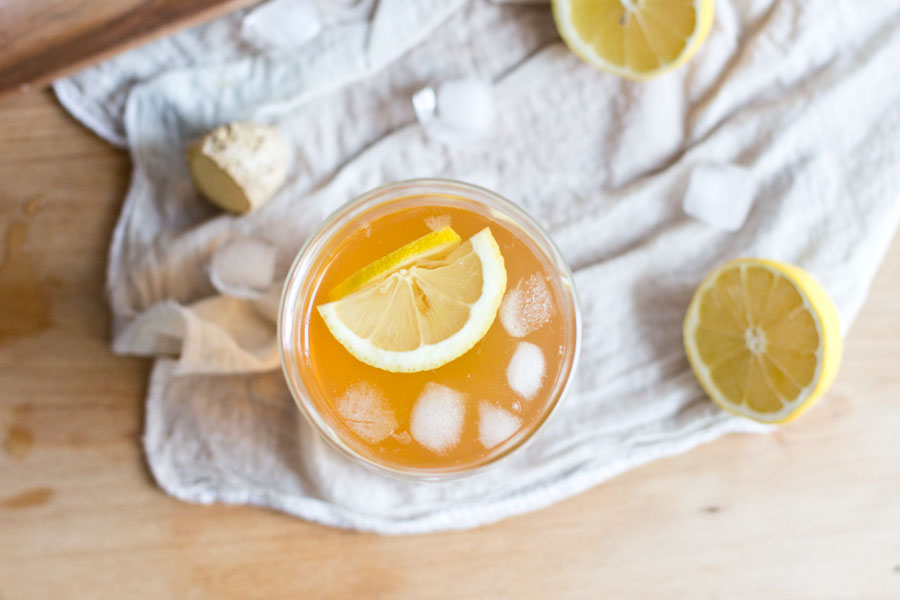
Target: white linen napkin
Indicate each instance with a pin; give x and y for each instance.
(803, 94)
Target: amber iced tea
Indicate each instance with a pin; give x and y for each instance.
(460, 415)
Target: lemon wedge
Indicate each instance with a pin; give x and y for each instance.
(763, 338)
(433, 244)
(636, 39)
(423, 314)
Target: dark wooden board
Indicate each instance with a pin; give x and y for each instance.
(41, 40)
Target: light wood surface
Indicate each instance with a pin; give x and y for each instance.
(44, 39)
(812, 511)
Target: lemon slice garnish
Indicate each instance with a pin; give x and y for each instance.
(433, 244)
(763, 338)
(425, 314)
(636, 39)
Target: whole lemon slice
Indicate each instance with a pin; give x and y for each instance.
(423, 315)
(636, 39)
(763, 339)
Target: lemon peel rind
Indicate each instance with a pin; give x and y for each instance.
(445, 239)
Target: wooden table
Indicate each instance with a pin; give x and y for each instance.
(812, 511)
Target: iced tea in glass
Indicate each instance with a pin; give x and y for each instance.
(461, 415)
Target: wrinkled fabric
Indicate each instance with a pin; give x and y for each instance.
(803, 94)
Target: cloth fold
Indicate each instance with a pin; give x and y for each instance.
(800, 93)
(215, 335)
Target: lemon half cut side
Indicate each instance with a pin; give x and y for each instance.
(763, 339)
(635, 39)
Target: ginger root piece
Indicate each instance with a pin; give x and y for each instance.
(239, 166)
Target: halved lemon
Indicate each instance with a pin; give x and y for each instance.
(433, 244)
(422, 316)
(636, 39)
(763, 338)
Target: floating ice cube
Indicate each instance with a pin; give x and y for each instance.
(719, 195)
(525, 372)
(527, 307)
(403, 437)
(281, 24)
(243, 267)
(495, 424)
(437, 418)
(458, 112)
(436, 222)
(366, 412)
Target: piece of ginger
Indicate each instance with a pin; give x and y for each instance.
(239, 166)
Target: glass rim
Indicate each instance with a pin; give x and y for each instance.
(291, 302)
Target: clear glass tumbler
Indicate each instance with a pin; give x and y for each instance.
(316, 392)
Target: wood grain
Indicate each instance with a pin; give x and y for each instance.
(40, 41)
(812, 511)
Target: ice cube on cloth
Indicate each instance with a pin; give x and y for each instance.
(281, 24)
(458, 112)
(719, 195)
(243, 267)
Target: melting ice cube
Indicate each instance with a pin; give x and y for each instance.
(527, 307)
(495, 425)
(403, 437)
(719, 195)
(366, 412)
(243, 267)
(436, 222)
(437, 417)
(458, 112)
(525, 372)
(281, 24)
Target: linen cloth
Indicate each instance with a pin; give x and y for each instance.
(804, 94)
